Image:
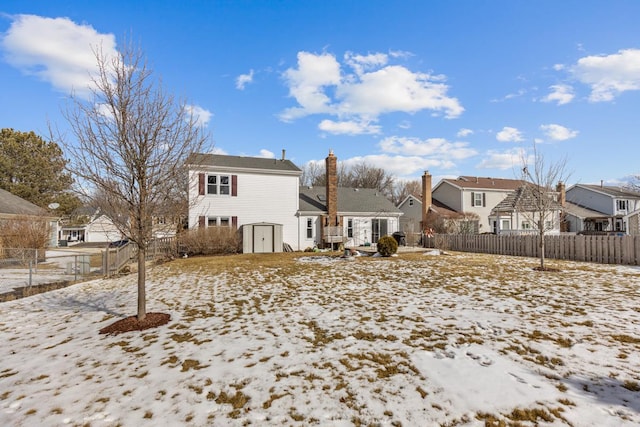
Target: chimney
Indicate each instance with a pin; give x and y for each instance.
(331, 163)
(563, 194)
(426, 197)
(284, 152)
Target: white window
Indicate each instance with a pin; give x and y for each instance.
(219, 184)
(218, 221)
(506, 224)
(477, 199)
(621, 205)
(410, 202)
(350, 228)
(526, 225)
(309, 228)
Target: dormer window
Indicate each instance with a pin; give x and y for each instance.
(621, 205)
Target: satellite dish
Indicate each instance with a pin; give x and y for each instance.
(54, 205)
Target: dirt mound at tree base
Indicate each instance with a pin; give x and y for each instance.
(131, 323)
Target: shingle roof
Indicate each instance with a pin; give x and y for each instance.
(476, 182)
(523, 199)
(356, 200)
(240, 162)
(13, 205)
(612, 190)
(582, 212)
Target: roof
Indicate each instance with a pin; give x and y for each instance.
(611, 190)
(488, 183)
(240, 162)
(351, 200)
(582, 212)
(523, 199)
(443, 210)
(10, 204)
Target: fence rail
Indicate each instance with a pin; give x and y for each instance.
(590, 248)
(115, 259)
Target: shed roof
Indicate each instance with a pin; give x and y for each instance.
(353, 200)
(524, 199)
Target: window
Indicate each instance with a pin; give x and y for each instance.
(410, 202)
(224, 185)
(219, 184)
(506, 224)
(212, 184)
(548, 225)
(621, 205)
(309, 228)
(526, 225)
(378, 229)
(350, 228)
(478, 199)
(218, 221)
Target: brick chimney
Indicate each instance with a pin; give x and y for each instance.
(562, 198)
(331, 163)
(426, 197)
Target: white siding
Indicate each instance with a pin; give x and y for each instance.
(260, 198)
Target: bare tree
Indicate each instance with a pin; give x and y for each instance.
(402, 189)
(537, 200)
(132, 139)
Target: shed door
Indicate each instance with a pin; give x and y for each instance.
(262, 238)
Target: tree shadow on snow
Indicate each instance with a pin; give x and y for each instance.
(610, 391)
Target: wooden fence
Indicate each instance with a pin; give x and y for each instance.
(115, 259)
(589, 248)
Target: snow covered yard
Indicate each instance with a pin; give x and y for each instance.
(290, 339)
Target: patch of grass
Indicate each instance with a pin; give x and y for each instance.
(626, 339)
(148, 415)
(631, 385)
(191, 364)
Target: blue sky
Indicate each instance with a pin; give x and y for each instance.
(453, 87)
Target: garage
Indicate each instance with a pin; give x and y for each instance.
(262, 237)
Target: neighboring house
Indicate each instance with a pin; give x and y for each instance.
(633, 222)
(89, 225)
(519, 212)
(611, 206)
(14, 207)
(260, 195)
(421, 214)
(475, 195)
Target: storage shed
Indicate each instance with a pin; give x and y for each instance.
(262, 237)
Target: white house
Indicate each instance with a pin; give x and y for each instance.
(611, 206)
(521, 212)
(265, 194)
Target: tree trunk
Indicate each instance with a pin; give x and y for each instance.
(542, 251)
(142, 273)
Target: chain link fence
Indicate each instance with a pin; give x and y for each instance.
(25, 272)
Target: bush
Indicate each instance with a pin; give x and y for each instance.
(209, 241)
(387, 246)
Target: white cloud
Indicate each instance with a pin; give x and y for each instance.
(267, 154)
(348, 127)
(307, 82)
(320, 86)
(217, 150)
(56, 50)
(243, 79)
(509, 134)
(561, 93)
(438, 148)
(400, 166)
(201, 116)
(558, 133)
(609, 75)
(510, 159)
(463, 133)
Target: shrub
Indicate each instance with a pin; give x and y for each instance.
(387, 246)
(209, 241)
